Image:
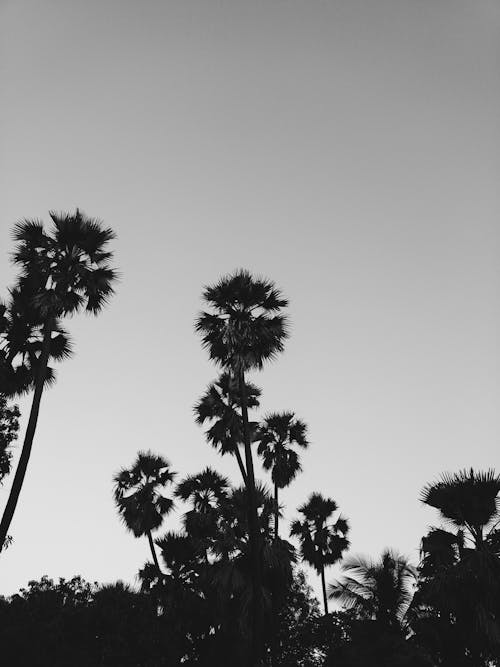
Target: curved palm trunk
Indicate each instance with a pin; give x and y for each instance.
(28, 438)
(153, 552)
(323, 584)
(254, 533)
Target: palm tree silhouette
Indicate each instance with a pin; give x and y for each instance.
(62, 273)
(205, 490)
(459, 572)
(221, 405)
(138, 497)
(322, 543)
(245, 328)
(278, 434)
(380, 591)
(468, 500)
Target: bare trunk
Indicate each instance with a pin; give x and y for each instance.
(254, 534)
(240, 463)
(276, 511)
(28, 438)
(153, 552)
(323, 584)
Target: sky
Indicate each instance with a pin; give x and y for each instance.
(348, 150)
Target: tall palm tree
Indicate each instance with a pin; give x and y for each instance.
(63, 271)
(243, 329)
(138, 497)
(380, 591)
(221, 405)
(322, 541)
(278, 434)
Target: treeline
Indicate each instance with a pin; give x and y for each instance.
(227, 587)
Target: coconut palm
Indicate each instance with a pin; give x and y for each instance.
(380, 591)
(221, 405)
(278, 434)
(322, 541)
(62, 271)
(245, 328)
(138, 496)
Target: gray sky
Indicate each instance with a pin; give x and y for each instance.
(348, 150)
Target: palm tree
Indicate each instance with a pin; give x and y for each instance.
(277, 436)
(460, 567)
(245, 328)
(467, 500)
(138, 496)
(62, 272)
(380, 591)
(322, 542)
(221, 405)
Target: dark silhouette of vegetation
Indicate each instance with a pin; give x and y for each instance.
(138, 498)
(322, 541)
(9, 428)
(459, 583)
(225, 588)
(245, 328)
(62, 272)
(277, 436)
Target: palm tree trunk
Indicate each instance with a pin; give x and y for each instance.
(240, 464)
(276, 511)
(254, 534)
(323, 584)
(28, 438)
(153, 552)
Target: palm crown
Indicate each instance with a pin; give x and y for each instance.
(379, 591)
(138, 496)
(245, 327)
(220, 404)
(68, 269)
(468, 499)
(322, 543)
(206, 490)
(278, 434)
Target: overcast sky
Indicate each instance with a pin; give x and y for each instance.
(350, 151)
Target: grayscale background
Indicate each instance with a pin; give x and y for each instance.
(350, 151)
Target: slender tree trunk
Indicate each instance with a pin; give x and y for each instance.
(275, 642)
(255, 655)
(323, 584)
(240, 463)
(28, 438)
(276, 511)
(153, 552)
